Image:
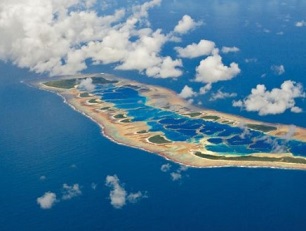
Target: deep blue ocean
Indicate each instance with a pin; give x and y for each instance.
(45, 144)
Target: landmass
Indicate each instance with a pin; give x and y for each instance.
(157, 120)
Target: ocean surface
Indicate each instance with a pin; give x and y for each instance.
(44, 144)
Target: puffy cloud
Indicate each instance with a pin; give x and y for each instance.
(296, 109)
(165, 167)
(278, 70)
(118, 193)
(212, 69)
(47, 200)
(206, 88)
(300, 23)
(204, 47)
(59, 36)
(177, 175)
(276, 101)
(70, 192)
(185, 25)
(135, 197)
(226, 50)
(119, 196)
(221, 95)
(166, 68)
(187, 92)
(87, 84)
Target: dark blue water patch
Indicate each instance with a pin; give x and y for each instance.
(238, 140)
(170, 134)
(176, 136)
(211, 128)
(226, 133)
(207, 132)
(129, 106)
(215, 140)
(184, 126)
(141, 114)
(105, 88)
(262, 146)
(297, 148)
(169, 120)
(112, 96)
(187, 132)
(127, 92)
(161, 114)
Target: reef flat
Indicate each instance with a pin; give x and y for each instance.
(157, 120)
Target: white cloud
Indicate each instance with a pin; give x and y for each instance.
(212, 69)
(251, 60)
(135, 197)
(221, 95)
(177, 175)
(165, 167)
(226, 50)
(296, 109)
(118, 193)
(206, 88)
(167, 68)
(276, 101)
(87, 84)
(59, 36)
(119, 196)
(47, 200)
(187, 92)
(93, 185)
(204, 47)
(278, 70)
(185, 25)
(70, 192)
(300, 23)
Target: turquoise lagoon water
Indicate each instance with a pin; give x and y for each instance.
(225, 139)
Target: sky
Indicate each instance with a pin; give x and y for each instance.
(160, 39)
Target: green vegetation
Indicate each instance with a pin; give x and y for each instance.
(158, 139)
(64, 83)
(70, 83)
(93, 101)
(227, 122)
(286, 159)
(142, 132)
(263, 128)
(104, 108)
(120, 116)
(194, 114)
(132, 86)
(101, 80)
(84, 94)
(125, 121)
(210, 117)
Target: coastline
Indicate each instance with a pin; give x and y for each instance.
(179, 152)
